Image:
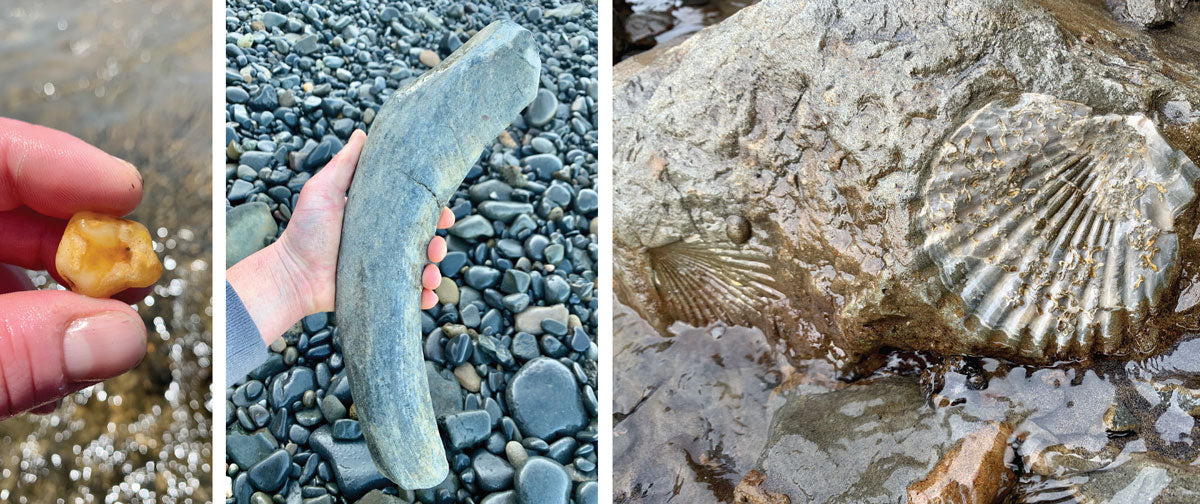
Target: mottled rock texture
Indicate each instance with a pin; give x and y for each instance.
(418, 151)
(770, 169)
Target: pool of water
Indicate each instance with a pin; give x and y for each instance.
(133, 78)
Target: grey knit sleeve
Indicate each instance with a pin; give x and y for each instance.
(244, 347)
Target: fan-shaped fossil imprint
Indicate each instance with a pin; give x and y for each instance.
(1055, 226)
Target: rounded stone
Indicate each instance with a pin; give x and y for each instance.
(543, 398)
(542, 481)
(542, 110)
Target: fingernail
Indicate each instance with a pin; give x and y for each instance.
(132, 168)
(103, 345)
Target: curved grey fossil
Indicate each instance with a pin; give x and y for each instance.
(420, 147)
(1055, 226)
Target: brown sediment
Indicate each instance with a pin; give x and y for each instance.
(975, 471)
(749, 491)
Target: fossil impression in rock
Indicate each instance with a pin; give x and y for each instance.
(1055, 226)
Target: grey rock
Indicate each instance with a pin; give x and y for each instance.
(398, 182)
(931, 82)
(543, 108)
(472, 228)
(542, 481)
(492, 473)
(248, 228)
(468, 428)
(543, 398)
(353, 477)
(530, 320)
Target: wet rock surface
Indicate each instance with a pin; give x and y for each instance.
(312, 72)
(796, 199)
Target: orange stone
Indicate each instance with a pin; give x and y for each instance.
(975, 471)
(101, 255)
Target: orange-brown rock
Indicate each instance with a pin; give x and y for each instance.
(101, 255)
(973, 472)
(750, 491)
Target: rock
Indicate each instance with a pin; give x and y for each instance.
(273, 19)
(543, 108)
(543, 398)
(349, 461)
(346, 430)
(249, 450)
(542, 481)
(447, 291)
(429, 58)
(492, 473)
(557, 289)
(446, 393)
(504, 211)
(235, 94)
(270, 474)
(305, 45)
(525, 346)
(290, 387)
(481, 277)
(468, 428)
(544, 165)
(472, 228)
(975, 471)
(248, 228)
(332, 409)
(530, 320)
(515, 281)
(886, 166)
(1147, 13)
(467, 377)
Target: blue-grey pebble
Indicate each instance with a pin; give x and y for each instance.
(543, 399)
(541, 480)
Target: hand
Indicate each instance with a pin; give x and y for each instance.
(297, 275)
(53, 343)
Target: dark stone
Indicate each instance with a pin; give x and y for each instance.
(350, 461)
(542, 481)
(543, 399)
(270, 474)
(493, 473)
(468, 428)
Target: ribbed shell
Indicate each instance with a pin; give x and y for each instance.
(1054, 225)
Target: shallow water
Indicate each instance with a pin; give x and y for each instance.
(660, 21)
(133, 78)
(716, 402)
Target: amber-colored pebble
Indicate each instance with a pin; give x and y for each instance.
(101, 255)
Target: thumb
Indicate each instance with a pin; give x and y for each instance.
(53, 343)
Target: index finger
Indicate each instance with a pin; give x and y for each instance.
(58, 175)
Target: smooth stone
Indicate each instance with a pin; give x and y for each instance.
(467, 377)
(468, 428)
(492, 473)
(234, 94)
(346, 458)
(542, 481)
(543, 399)
(332, 409)
(515, 281)
(525, 346)
(290, 387)
(472, 228)
(429, 58)
(556, 289)
(544, 165)
(504, 211)
(445, 392)
(447, 291)
(315, 322)
(273, 19)
(543, 108)
(269, 474)
(481, 277)
(515, 303)
(346, 429)
(248, 450)
(530, 320)
(587, 492)
(305, 45)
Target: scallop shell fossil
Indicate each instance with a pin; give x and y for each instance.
(1056, 226)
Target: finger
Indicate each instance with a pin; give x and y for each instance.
(53, 343)
(335, 177)
(58, 175)
(446, 219)
(428, 299)
(32, 239)
(47, 408)
(13, 279)
(431, 278)
(437, 249)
